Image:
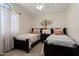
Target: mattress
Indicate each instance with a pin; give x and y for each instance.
(62, 40)
(32, 37)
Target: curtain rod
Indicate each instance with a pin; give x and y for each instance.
(4, 5)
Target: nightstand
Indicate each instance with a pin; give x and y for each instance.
(44, 37)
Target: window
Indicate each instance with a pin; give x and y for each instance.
(15, 23)
(9, 18)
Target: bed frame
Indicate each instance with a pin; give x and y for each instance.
(56, 50)
(24, 45)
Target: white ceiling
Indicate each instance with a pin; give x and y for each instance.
(48, 8)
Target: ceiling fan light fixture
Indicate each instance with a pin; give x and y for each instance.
(39, 7)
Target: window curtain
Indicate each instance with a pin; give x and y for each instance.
(1, 41)
(15, 23)
(9, 25)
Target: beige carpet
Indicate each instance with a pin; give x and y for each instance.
(36, 51)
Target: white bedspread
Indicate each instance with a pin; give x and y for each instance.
(61, 40)
(32, 38)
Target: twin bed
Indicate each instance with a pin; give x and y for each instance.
(26, 41)
(60, 45)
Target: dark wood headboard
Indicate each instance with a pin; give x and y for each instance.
(32, 30)
(64, 31)
(41, 30)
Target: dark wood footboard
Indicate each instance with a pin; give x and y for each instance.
(55, 50)
(20, 44)
(24, 45)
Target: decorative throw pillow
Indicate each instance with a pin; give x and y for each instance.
(58, 31)
(35, 31)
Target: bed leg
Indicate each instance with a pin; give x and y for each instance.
(15, 42)
(45, 45)
(27, 46)
(77, 50)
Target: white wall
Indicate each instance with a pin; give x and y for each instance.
(25, 20)
(59, 20)
(73, 22)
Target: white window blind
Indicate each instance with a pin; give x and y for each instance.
(15, 23)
